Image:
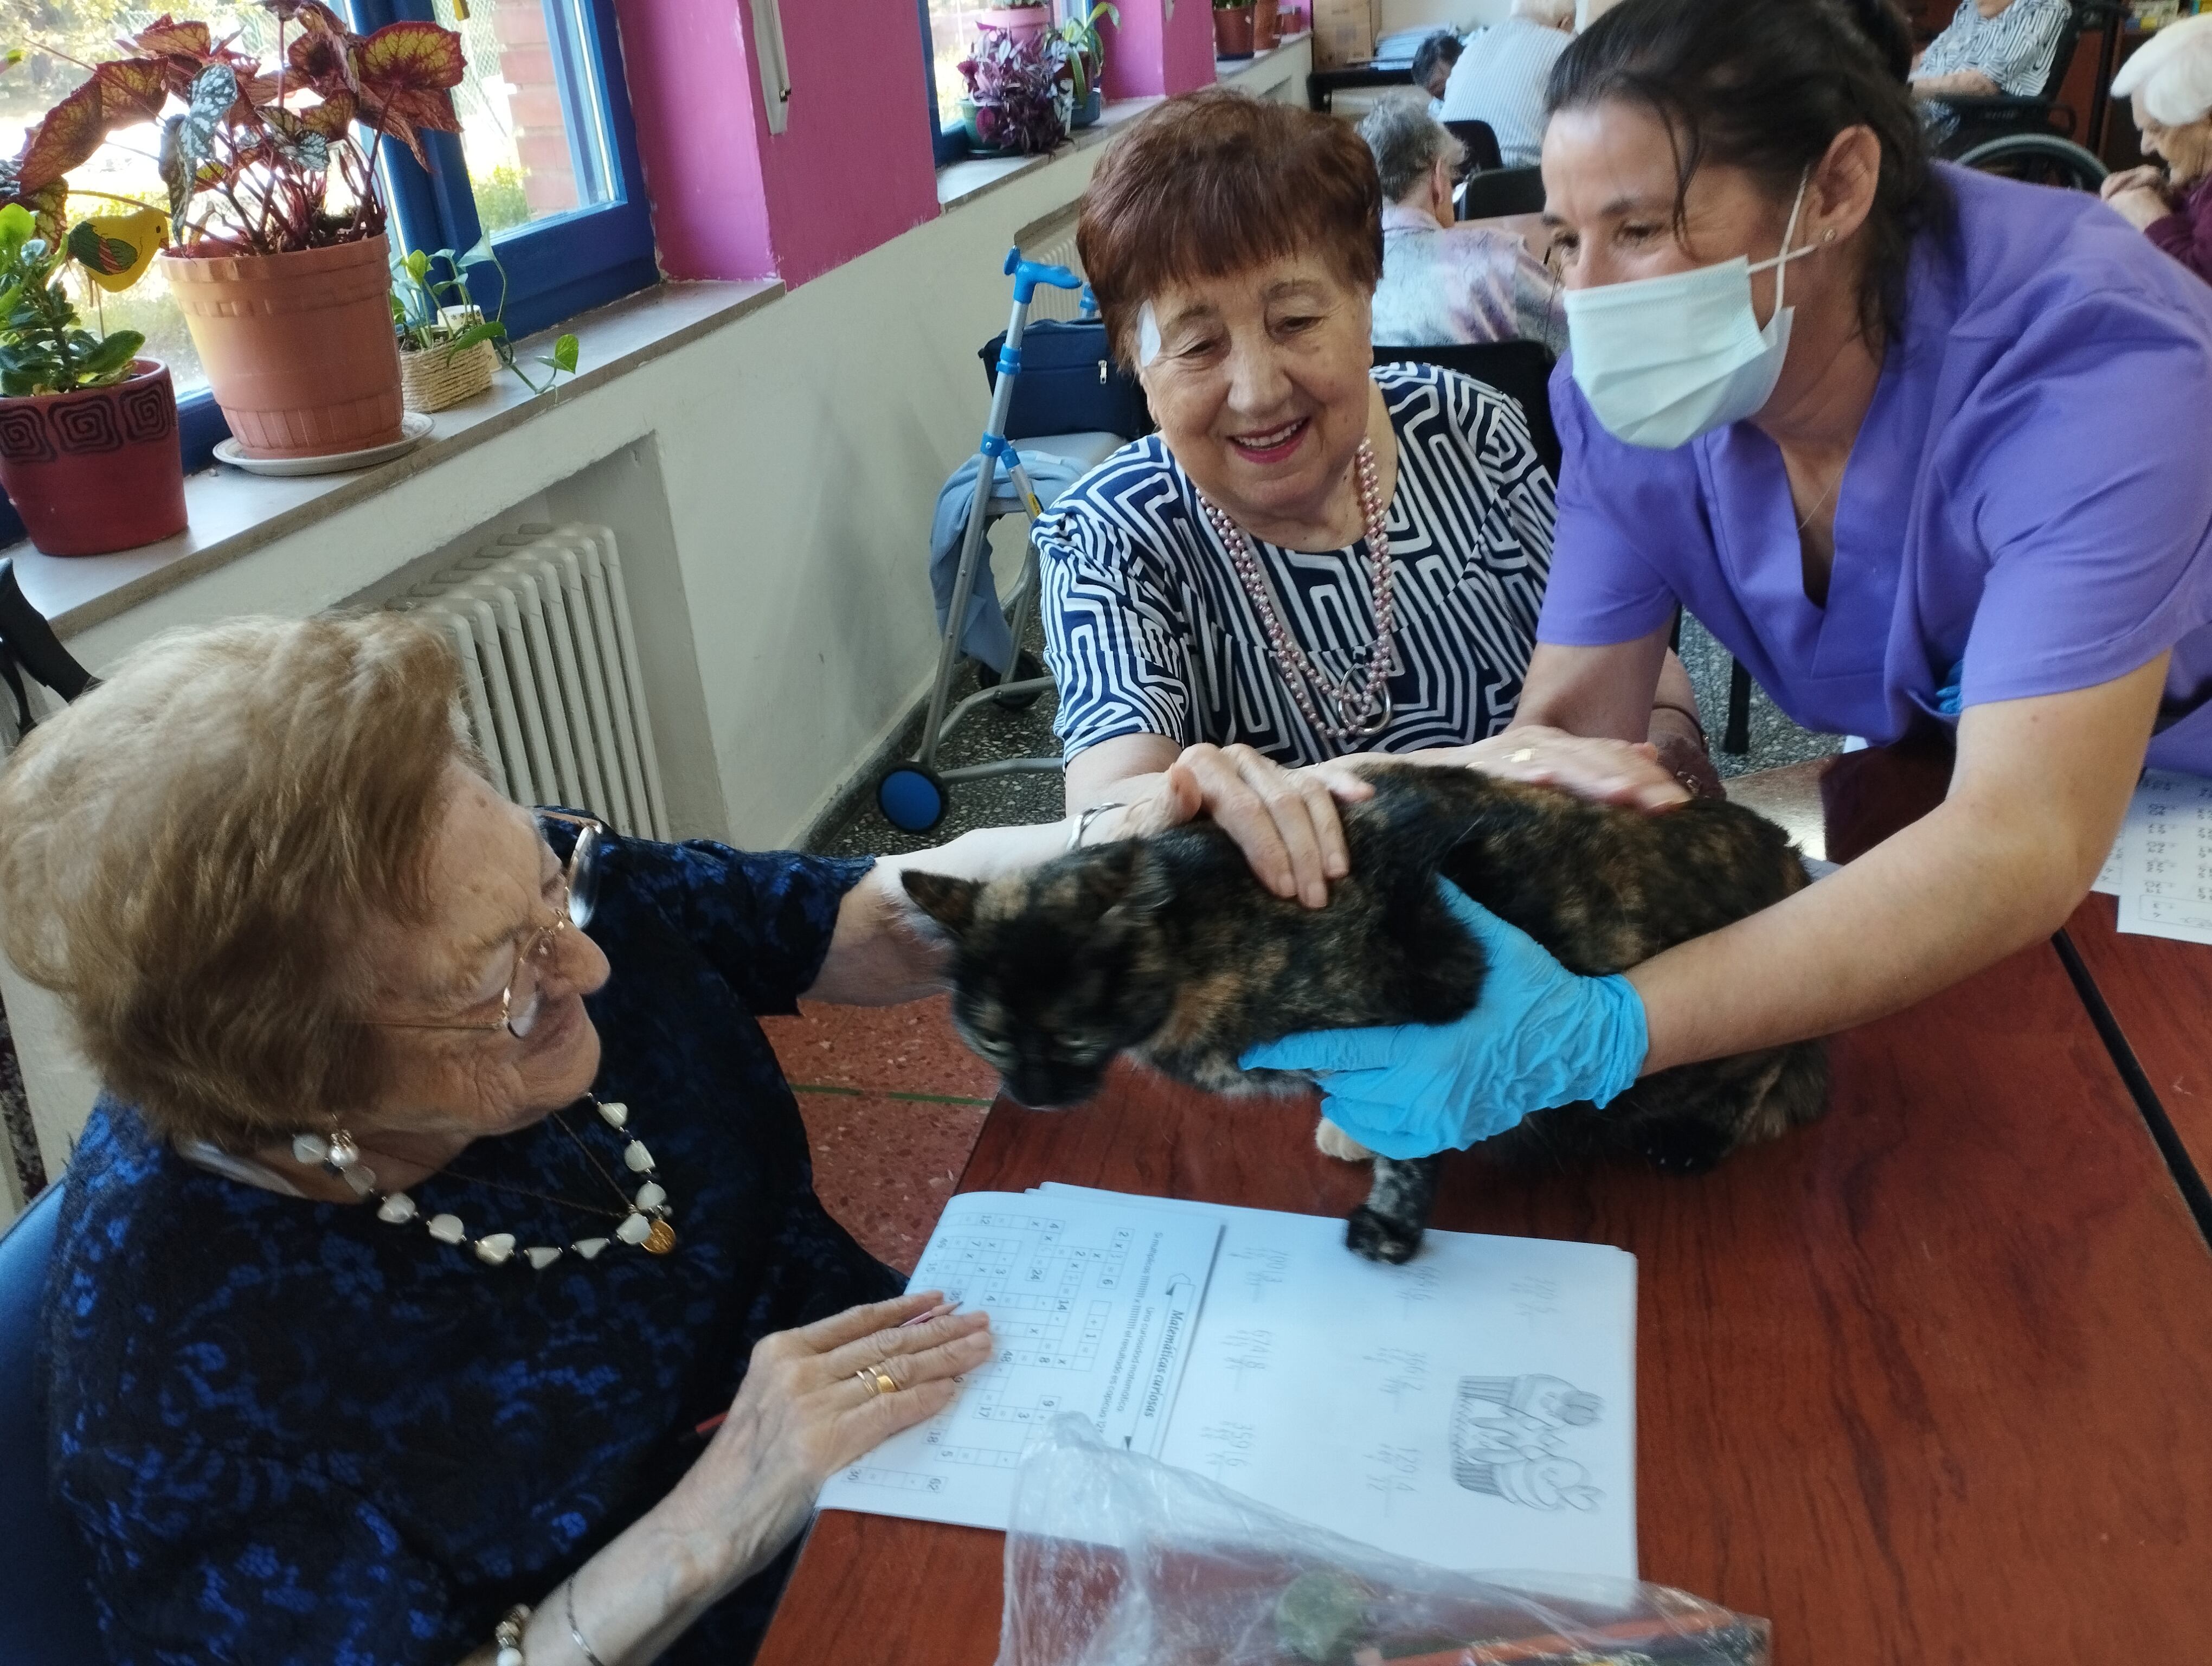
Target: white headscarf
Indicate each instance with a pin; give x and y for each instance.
(2170, 78)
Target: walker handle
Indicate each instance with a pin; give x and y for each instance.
(1027, 274)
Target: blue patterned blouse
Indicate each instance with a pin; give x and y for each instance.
(291, 1432)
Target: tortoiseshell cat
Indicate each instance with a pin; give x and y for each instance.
(1169, 950)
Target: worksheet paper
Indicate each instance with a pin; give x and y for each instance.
(1474, 1409)
(1091, 1303)
(2166, 857)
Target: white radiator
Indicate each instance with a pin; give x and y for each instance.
(555, 693)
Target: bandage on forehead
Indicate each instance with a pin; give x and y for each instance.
(1148, 335)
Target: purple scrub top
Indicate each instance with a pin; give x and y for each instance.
(2028, 509)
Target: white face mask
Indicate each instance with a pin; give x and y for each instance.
(1662, 360)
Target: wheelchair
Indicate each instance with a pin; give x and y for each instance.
(2033, 138)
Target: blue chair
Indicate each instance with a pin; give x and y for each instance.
(46, 1608)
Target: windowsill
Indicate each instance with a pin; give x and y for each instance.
(1227, 68)
(234, 513)
(957, 182)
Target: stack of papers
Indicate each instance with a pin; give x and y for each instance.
(2160, 867)
(1474, 1409)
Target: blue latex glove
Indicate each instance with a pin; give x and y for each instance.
(1540, 1036)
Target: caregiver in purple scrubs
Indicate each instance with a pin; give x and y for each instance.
(1917, 445)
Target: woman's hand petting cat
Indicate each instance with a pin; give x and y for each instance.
(1283, 820)
(1540, 1036)
(1590, 767)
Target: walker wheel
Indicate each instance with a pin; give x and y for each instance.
(912, 798)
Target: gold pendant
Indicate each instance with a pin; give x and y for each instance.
(660, 1239)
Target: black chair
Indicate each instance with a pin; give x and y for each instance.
(1521, 370)
(45, 1606)
(2032, 138)
(1502, 190)
(29, 648)
(1480, 141)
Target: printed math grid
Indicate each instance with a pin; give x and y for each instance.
(1091, 1308)
(2161, 868)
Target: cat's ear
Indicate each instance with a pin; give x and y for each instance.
(1125, 880)
(950, 902)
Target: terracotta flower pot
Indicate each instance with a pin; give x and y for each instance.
(98, 470)
(1016, 20)
(298, 347)
(1267, 25)
(1232, 31)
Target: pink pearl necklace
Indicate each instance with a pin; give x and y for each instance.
(1361, 701)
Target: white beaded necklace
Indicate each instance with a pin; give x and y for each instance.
(644, 1220)
(1360, 701)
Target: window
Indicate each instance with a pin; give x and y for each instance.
(948, 33)
(86, 30)
(545, 164)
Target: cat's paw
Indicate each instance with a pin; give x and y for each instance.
(1683, 1145)
(1333, 1141)
(1380, 1239)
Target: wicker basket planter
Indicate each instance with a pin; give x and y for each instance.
(432, 379)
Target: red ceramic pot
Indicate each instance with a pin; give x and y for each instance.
(98, 470)
(1232, 31)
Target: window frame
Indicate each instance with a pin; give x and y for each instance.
(946, 148)
(558, 267)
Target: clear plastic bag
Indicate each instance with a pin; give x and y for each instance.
(1117, 1560)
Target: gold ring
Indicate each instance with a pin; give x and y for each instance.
(1522, 756)
(876, 1380)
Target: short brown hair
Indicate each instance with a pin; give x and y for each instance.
(188, 852)
(1216, 182)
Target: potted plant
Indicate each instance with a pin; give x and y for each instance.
(88, 446)
(1232, 28)
(276, 254)
(1086, 59)
(1021, 94)
(1025, 20)
(449, 348)
(1267, 25)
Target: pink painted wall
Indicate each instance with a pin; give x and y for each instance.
(1153, 53)
(693, 93)
(851, 169)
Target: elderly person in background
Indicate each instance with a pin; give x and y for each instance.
(1432, 64)
(1500, 79)
(1315, 555)
(431, 1259)
(1989, 47)
(1443, 282)
(2169, 82)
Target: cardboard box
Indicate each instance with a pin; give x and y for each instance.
(1344, 32)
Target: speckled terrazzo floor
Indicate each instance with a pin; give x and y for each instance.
(893, 1103)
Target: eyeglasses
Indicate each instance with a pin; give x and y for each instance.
(520, 1003)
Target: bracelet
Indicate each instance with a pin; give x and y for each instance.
(1696, 722)
(508, 1634)
(1083, 822)
(576, 1637)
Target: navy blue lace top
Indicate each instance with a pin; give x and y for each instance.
(290, 1431)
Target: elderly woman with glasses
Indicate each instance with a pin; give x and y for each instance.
(440, 1274)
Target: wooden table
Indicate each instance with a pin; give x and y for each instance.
(1928, 1382)
(2153, 995)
